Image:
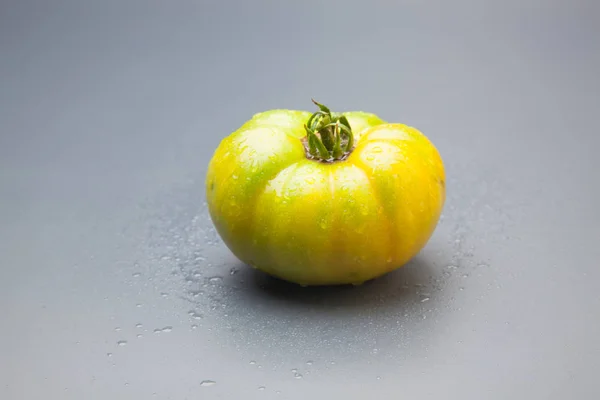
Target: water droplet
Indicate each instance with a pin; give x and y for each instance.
(108, 354)
(310, 180)
(309, 362)
(139, 335)
(233, 271)
(370, 158)
(278, 392)
(424, 299)
(138, 325)
(234, 176)
(294, 370)
(298, 375)
(332, 362)
(252, 362)
(206, 383)
(163, 294)
(167, 329)
(215, 279)
(117, 329)
(261, 388)
(389, 260)
(378, 378)
(195, 315)
(461, 288)
(194, 326)
(376, 149)
(157, 330)
(122, 343)
(465, 275)
(136, 274)
(138, 305)
(323, 224)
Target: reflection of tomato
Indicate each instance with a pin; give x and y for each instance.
(342, 199)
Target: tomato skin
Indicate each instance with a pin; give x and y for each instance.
(317, 223)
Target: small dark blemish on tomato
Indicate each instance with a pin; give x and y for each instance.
(212, 185)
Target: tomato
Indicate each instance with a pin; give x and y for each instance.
(325, 198)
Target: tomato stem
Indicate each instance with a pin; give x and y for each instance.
(329, 137)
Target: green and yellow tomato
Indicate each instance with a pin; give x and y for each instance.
(325, 198)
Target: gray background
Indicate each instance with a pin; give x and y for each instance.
(110, 111)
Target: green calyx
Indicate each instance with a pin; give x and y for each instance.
(328, 138)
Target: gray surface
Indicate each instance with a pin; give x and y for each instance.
(110, 111)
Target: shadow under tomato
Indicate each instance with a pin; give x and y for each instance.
(254, 313)
(392, 289)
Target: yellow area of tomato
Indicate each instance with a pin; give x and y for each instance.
(316, 223)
